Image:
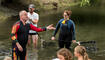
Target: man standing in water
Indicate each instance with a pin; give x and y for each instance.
(33, 19)
(19, 36)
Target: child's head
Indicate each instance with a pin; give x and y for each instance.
(81, 51)
(64, 54)
(7, 58)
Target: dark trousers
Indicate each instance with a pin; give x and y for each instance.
(63, 44)
(17, 54)
(65, 40)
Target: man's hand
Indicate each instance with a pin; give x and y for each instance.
(78, 43)
(74, 41)
(19, 47)
(35, 21)
(50, 27)
(53, 38)
(30, 20)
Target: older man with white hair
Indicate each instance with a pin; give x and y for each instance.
(19, 35)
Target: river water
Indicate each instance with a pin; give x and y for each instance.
(89, 26)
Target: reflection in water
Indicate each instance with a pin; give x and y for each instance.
(89, 26)
(33, 55)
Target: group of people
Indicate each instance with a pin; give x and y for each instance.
(65, 54)
(26, 28)
(79, 52)
(21, 31)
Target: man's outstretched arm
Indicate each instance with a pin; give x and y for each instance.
(50, 27)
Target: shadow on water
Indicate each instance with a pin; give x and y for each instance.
(89, 26)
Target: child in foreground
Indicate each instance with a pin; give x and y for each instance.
(64, 54)
(80, 53)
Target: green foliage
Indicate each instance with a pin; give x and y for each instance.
(85, 3)
(92, 3)
(97, 3)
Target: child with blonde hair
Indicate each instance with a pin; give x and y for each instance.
(80, 53)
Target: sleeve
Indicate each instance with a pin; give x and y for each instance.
(57, 28)
(73, 31)
(36, 17)
(32, 27)
(14, 33)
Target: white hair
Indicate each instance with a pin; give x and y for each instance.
(21, 12)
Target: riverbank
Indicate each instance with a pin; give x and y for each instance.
(9, 9)
(5, 13)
